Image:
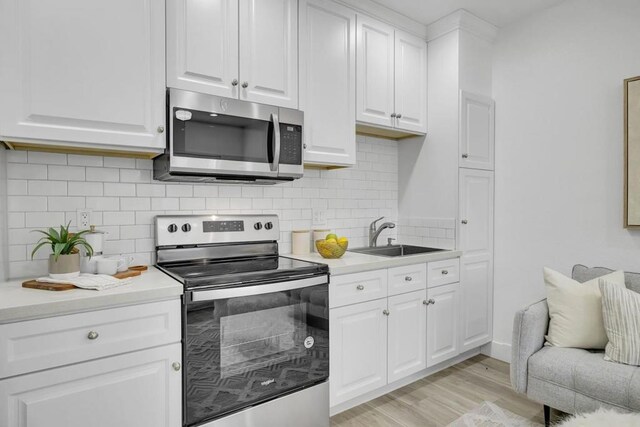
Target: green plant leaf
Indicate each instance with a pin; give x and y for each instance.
(57, 250)
(54, 234)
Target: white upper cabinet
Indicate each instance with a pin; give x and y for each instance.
(83, 74)
(476, 131)
(246, 49)
(375, 72)
(391, 77)
(269, 52)
(202, 46)
(328, 82)
(476, 211)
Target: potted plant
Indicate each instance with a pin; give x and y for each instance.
(64, 262)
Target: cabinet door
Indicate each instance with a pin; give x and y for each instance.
(202, 46)
(269, 52)
(475, 229)
(139, 389)
(476, 282)
(375, 72)
(358, 349)
(443, 318)
(476, 131)
(410, 82)
(407, 334)
(82, 72)
(328, 82)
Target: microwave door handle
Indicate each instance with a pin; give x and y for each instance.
(276, 142)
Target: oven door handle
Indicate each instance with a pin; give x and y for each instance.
(276, 142)
(243, 291)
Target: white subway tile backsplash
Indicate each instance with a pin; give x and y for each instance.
(124, 200)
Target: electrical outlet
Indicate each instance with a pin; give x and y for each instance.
(84, 218)
(319, 218)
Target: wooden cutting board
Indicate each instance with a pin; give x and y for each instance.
(46, 286)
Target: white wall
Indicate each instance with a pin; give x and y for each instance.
(559, 147)
(46, 189)
(4, 270)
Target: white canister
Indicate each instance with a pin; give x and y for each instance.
(107, 266)
(300, 242)
(319, 234)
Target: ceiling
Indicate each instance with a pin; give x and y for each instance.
(497, 12)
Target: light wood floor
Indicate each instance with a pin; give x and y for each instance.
(443, 397)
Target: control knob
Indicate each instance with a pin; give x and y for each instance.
(257, 226)
(172, 228)
(186, 227)
(268, 226)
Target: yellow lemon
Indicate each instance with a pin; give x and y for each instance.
(343, 242)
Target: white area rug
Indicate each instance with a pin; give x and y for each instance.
(491, 415)
(602, 417)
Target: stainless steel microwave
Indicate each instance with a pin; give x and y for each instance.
(213, 139)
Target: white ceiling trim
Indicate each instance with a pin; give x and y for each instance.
(462, 20)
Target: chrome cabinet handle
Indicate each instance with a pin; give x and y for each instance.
(160, 129)
(399, 116)
(408, 278)
(465, 156)
(234, 82)
(245, 85)
(360, 287)
(393, 115)
(92, 335)
(464, 221)
(385, 312)
(176, 366)
(445, 272)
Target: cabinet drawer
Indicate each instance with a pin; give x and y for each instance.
(407, 278)
(45, 343)
(443, 272)
(357, 287)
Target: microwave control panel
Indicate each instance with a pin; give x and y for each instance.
(290, 144)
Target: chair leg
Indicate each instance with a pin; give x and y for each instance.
(547, 416)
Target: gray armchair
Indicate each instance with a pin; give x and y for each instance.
(570, 379)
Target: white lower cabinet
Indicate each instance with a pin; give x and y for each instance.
(476, 300)
(358, 359)
(139, 389)
(443, 321)
(407, 341)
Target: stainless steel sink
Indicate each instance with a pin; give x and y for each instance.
(396, 250)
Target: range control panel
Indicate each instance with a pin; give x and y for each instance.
(188, 230)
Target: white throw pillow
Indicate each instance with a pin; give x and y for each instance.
(575, 310)
(621, 313)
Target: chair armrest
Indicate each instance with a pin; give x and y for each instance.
(529, 328)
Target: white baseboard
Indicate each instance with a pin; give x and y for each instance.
(498, 350)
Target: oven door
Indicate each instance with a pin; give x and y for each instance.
(214, 135)
(251, 344)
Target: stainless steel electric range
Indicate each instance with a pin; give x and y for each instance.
(255, 330)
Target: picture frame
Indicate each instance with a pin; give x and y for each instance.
(632, 153)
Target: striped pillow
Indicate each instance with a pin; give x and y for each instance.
(621, 315)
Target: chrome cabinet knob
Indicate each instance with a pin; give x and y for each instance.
(445, 272)
(425, 302)
(245, 85)
(304, 146)
(92, 335)
(393, 115)
(176, 366)
(399, 116)
(385, 312)
(465, 156)
(431, 301)
(234, 82)
(160, 129)
(464, 221)
(408, 278)
(360, 287)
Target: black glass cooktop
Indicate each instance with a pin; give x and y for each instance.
(241, 272)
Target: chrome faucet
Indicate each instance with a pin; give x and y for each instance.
(374, 232)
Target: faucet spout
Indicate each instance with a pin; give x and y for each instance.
(374, 233)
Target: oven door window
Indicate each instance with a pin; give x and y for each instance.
(221, 137)
(246, 350)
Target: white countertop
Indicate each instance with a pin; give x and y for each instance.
(352, 262)
(18, 303)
